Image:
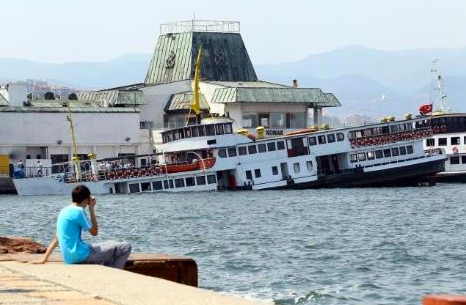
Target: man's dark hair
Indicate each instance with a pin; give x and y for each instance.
(80, 193)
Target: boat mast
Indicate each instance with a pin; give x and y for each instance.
(437, 84)
(75, 159)
(196, 107)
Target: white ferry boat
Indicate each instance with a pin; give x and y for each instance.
(212, 157)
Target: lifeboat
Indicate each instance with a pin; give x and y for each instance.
(199, 165)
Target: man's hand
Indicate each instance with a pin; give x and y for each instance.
(37, 261)
(92, 202)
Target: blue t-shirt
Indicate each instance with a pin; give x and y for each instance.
(71, 221)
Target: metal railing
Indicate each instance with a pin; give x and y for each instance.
(200, 26)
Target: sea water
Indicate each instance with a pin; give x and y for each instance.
(326, 246)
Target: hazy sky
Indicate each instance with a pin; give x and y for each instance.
(274, 31)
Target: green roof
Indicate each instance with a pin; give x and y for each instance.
(3, 101)
(183, 101)
(224, 58)
(311, 96)
(48, 106)
(114, 97)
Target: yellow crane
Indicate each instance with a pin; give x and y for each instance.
(75, 159)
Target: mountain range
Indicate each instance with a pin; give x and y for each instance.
(365, 80)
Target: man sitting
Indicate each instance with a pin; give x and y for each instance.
(70, 223)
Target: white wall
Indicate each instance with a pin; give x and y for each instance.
(16, 94)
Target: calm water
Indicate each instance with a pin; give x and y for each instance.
(341, 246)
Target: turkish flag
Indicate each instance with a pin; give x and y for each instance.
(425, 109)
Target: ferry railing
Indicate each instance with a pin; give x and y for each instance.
(33, 172)
(387, 138)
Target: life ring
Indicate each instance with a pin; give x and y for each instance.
(436, 129)
(443, 128)
(455, 149)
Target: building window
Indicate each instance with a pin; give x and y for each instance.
(362, 157)
(370, 155)
(200, 180)
(330, 138)
(312, 141)
(309, 166)
(402, 150)
(145, 125)
(232, 152)
(455, 140)
(442, 141)
(252, 149)
(248, 175)
(455, 160)
(387, 153)
(190, 181)
(340, 136)
(322, 139)
(410, 149)
(430, 142)
(395, 152)
(378, 154)
(277, 120)
(262, 148)
(353, 158)
(157, 185)
(271, 146)
(249, 120)
(296, 168)
(297, 120)
(211, 179)
(257, 173)
(264, 119)
(242, 150)
(280, 145)
(222, 153)
(179, 182)
(274, 170)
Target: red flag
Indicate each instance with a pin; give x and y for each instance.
(425, 109)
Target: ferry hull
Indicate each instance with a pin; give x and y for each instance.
(409, 175)
(451, 177)
(49, 186)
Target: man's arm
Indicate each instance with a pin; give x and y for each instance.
(49, 251)
(94, 229)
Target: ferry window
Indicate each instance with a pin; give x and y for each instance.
(211, 142)
(262, 148)
(222, 153)
(242, 150)
(370, 155)
(309, 166)
(351, 135)
(367, 132)
(442, 141)
(331, 138)
(219, 128)
(378, 154)
(395, 152)
(176, 134)
(464, 140)
(271, 146)
(201, 130)
(232, 152)
(249, 175)
(252, 149)
(455, 140)
(195, 132)
(362, 157)
(387, 153)
(134, 188)
(274, 170)
(200, 180)
(209, 130)
(165, 184)
(157, 185)
(187, 132)
(179, 182)
(409, 149)
(190, 181)
(353, 158)
(257, 173)
(145, 186)
(340, 136)
(228, 128)
(211, 179)
(171, 183)
(312, 141)
(322, 139)
(280, 145)
(463, 159)
(402, 150)
(296, 168)
(455, 160)
(430, 142)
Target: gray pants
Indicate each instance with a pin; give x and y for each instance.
(109, 253)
